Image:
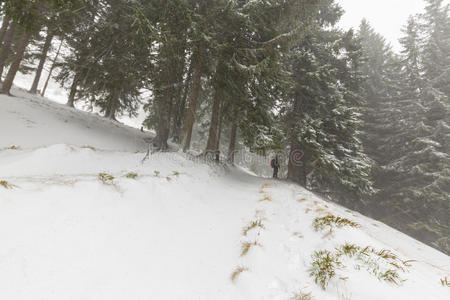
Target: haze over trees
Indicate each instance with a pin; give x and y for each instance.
(360, 123)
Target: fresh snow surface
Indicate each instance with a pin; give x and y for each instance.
(66, 235)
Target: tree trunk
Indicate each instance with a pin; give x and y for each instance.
(51, 69)
(193, 100)
(212, 136)
(219, 128)
(297, 168)
(110, 112)
(45, 48)
(4, 28)
(162, 130)
(73, 92)
(6, 88)
(181, 108)
(233, 135)
(7, 46)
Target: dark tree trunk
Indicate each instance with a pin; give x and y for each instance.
(73, 92)
(193, 100)
(111, 109)
(233, 136)
(45, 48)
(212, 136)
(7, 46)
(4, 28)
(51, 69)
(181, 108)
(163, 126)
(7, 84)
(219, 128)
(297, 165)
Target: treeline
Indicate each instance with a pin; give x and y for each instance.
(407, 125)
(359, 123)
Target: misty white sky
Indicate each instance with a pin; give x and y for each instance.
(386, 16)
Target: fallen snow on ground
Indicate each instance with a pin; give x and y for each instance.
(176, 231)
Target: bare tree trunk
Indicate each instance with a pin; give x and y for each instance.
(233, 136)
(212, 136)
(7, 46)
(181, 108)
(297, 168)
(163, 126)
(110, 112)
(193, 100)
(73, 92)
(51, 69)
(219, 128)
(6, 88)
(4, 28)
(45, 48)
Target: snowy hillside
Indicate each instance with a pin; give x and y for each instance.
(82, 217)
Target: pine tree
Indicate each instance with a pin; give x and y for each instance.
(322, 112)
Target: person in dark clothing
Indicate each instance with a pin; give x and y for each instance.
(275, 166)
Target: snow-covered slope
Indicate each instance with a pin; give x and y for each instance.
(176, 231)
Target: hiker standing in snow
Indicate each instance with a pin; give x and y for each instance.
(275, 166)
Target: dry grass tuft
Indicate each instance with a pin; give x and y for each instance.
(252, 225)
(246, 247)
(302, 296)
(6, 184)
(445, 282)
(298, 234)
(13, 147)
(105, 178)
(266, 198)
(88, 147)
(302, 200)
(330, 222)
(131, 175)
(237, 272)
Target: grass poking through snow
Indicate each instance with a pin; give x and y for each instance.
(6, 184)
(252, 225)
(330, 222)
(246, 246)
(106, 178)
(383, 264)
(302, 296)
(132, 175)
(237, 272)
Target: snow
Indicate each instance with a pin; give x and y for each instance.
(175, 233)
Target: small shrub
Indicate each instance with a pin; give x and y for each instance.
(252, 225)
(332, 222)
(131, 175)
(445, 282)
(176, 173)
(105, 178)
(14, 147)
(156, 173)
(323, 267)
(237, 272)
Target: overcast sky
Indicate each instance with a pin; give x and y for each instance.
(386, 16)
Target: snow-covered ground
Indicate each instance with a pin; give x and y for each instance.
(177, 230)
